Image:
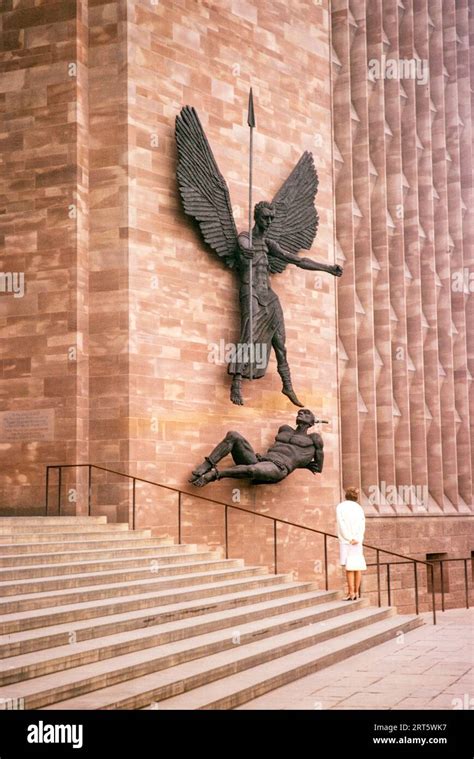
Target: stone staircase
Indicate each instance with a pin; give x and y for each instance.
(96, 616)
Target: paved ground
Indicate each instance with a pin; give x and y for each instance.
(431, 667)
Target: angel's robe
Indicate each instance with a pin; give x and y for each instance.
(266, 311)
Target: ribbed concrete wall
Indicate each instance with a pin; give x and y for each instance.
(402, 93)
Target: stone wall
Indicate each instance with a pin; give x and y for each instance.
(182, 299)
(155, 299)
(43, 237)
(403, 75)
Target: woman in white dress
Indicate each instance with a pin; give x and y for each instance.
(350, 531)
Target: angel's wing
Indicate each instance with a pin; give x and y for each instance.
(296, 220)
(203, 189)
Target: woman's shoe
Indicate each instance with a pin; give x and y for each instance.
(354, 598)
(348, 598)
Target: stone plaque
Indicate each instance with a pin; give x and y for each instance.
(37, 424)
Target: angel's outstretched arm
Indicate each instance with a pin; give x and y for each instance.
(302, 263)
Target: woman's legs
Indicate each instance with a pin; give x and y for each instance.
(350, 582)
(353, 582)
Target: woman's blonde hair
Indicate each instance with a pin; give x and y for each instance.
(352, 494)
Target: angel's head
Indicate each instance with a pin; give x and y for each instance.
(263, 213)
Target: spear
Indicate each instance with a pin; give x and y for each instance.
(251, 124)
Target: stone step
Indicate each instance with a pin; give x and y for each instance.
(72, 557)
(22, 521)
(281, 615)
(29, 602)
(80, 566)
(98, 616)
(167, 592)
(105, 533)
(60, 527)
(112, 542)
(87, 580)
(167, 607)
(233, 691)
(216, 653)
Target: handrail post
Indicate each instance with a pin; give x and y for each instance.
(441, 572)
(466, 584)
(379, 597)
(275, 544)
(433, 595)
(89, 491)
(179, 517)
(47, 491)
(416, 587)
(389, 590)
(133, 502)
(226, 528)
(326, 576)
(60, 470)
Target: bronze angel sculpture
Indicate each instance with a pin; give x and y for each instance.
(282, 228)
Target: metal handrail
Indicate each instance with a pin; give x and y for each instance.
(275, 520)
(441, 562)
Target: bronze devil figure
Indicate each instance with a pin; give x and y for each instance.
(292, 449)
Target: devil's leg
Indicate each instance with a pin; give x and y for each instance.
(233, 443)
(262, 471)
